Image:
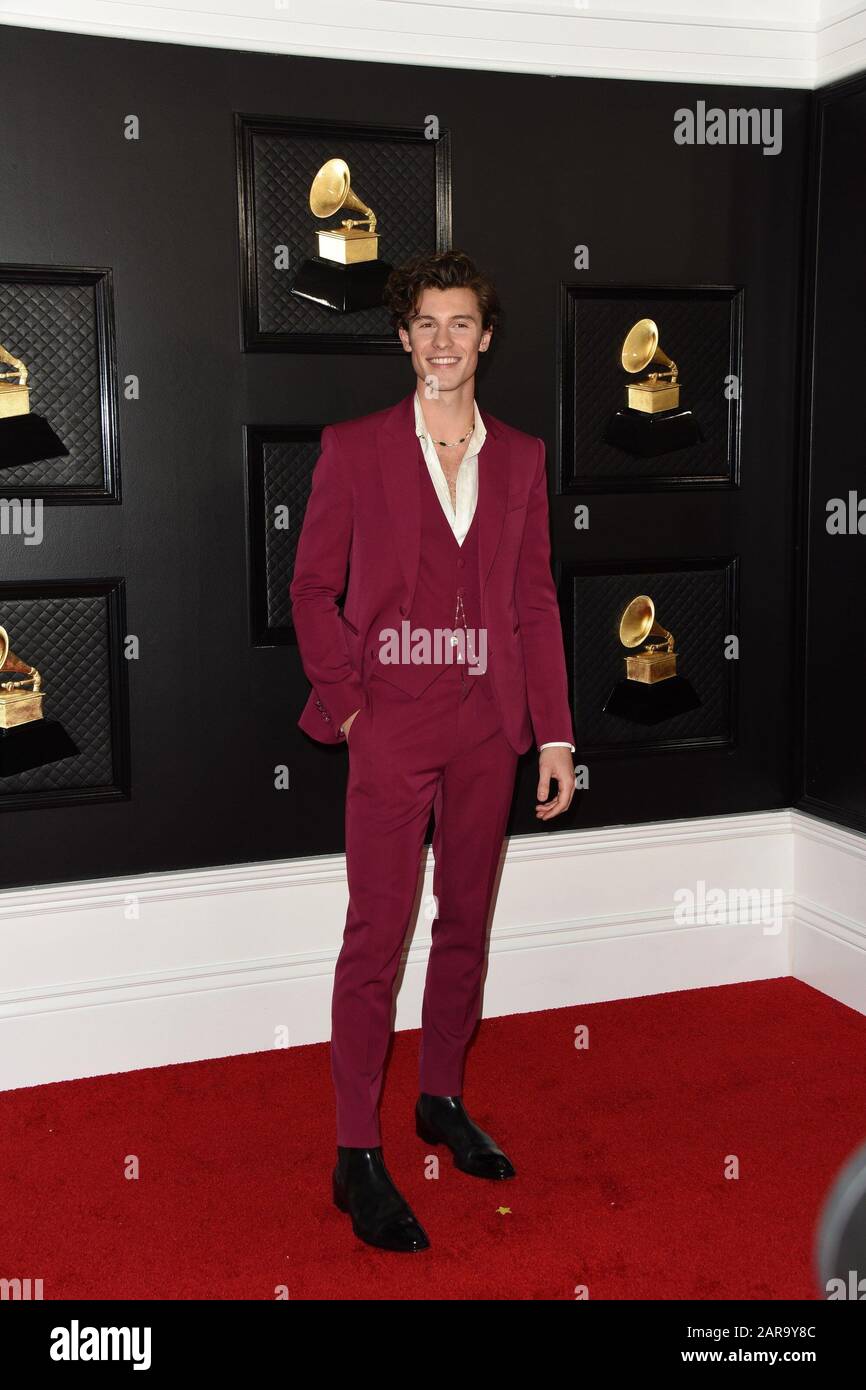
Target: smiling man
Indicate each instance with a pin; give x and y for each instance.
(439, 512)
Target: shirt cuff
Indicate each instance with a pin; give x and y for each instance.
(556, 745)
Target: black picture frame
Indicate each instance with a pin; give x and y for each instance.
(607, 380)
(807, 608)
(247, 127)
(268, 553)
(113, 590)
(569, 575)
(102, 331)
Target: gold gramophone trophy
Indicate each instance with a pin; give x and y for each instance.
(24, 437)
(653, 422)
(27, 738)
(14, 395)
(658, 660)
(652, 690)
(347, 274)
(21, 692)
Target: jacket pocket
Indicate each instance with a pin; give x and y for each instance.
(363, 715)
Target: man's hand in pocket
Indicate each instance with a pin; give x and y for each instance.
(348, 723)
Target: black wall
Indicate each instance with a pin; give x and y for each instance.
(539, 164)
(834, 576)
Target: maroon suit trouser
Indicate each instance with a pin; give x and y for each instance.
(443, 749)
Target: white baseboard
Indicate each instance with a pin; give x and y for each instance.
(146, 971)
(829, 939)
(772, 43)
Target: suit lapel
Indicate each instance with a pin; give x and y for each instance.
(400, 460)
(399, 450)
(493, 468)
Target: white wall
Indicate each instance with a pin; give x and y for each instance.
(141, 972)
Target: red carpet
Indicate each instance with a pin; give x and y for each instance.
(620, 1151)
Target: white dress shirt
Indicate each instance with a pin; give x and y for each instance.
(466, 487)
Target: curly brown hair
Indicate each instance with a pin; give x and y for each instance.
(438, 270)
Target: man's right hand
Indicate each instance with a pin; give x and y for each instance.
(348, 723)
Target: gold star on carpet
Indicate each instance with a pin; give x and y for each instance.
(504, 1211)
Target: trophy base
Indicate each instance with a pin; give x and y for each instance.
(343, 288)
(650, 704)
(33, 745)
(28, 439)
(651, 667)
(637, 432)
(20, 707)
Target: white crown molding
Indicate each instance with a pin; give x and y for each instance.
(763, 43)
(814, 830)
(841, 41)
(317, 870)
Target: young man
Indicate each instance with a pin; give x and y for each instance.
(446, 659)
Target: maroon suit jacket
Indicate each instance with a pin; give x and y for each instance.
(364, 512)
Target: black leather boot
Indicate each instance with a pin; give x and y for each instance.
(363, 1187)
(443, 1120)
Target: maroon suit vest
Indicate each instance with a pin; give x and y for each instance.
(446, 570)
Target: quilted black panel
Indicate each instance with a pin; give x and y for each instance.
(280, 476)
(696, 606)
(398, 180)
(67, 640)
(58, 328)
(700, 331)
(288, 474)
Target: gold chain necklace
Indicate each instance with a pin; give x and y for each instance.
(444, 442)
